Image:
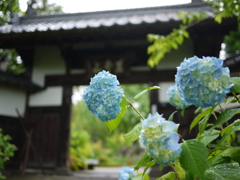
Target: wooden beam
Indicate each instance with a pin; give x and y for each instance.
(134, 77)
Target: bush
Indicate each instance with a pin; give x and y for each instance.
(80, 148)
(6, 150)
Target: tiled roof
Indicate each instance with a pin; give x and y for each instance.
(57, 22)
(18, 81)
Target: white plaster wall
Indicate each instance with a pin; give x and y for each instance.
(163, 91)
(10, 99)
(47, 61)
(175, 57)
(171, 61)
(52, 96)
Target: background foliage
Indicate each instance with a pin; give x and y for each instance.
(90, 137)
(6, 150)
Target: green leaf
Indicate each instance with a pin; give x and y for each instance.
(218, 159)
(179, 39)
(209, 137)
(143, 161)
(183, 110)
(203, 123)
(199, 117)
(189, 176)
(179, 170)
(225, 116)
(112, 124)
(233, 153)
(149, 164)
(198, 110)
(227, 171)
(235, 126)
(171, 116)
(145, 91)
(236, 86)
(133, 135)
(168, 176)
(174, 45)
(193, 157)
(218, 18)
(186, 34)
(141, 176)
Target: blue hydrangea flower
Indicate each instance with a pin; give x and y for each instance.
(126, 173)
(203, 82)
(160, 139)
(174, 98)
(103, 96)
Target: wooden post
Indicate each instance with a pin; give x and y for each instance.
(64, 133)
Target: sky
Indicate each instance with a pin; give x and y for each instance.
(73, 6)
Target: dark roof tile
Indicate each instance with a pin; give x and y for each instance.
(104, 18)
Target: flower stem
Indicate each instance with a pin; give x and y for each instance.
(213, 113)
(139, 114)
(220, 107)
(236, 97)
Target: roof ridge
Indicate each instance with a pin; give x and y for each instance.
(116, 13)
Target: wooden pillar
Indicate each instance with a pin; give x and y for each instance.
(64, 133)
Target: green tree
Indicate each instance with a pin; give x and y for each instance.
(7, 7)
(43, 7)
(164, 44)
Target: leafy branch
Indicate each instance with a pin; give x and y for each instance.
(225, 9)
(164, 44)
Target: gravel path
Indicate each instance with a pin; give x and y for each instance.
(99, 173)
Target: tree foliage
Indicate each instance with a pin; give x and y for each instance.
(10, 57)
(6, 150)
(43, 7)
(232, 42)
(6, 8)
(225, 9)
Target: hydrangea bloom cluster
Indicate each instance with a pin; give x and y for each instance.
(174, 98)
(203, 82)
(160, 139)
(103, 96)
(126, 173)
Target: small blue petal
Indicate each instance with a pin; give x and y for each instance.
(126, 173)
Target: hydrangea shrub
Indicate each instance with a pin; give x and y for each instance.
(201, 82)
